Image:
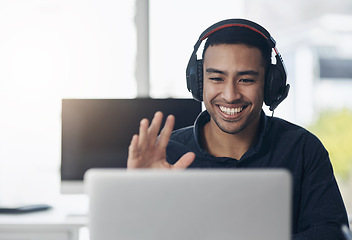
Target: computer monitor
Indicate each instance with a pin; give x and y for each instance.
(96, 133)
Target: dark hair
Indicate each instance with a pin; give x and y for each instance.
(240, 35)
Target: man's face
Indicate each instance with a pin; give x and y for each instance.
(233, 89)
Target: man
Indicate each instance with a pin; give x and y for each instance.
(233, 79)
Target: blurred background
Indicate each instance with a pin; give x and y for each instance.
(51, 49)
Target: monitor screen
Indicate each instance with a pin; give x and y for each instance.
(96, 133)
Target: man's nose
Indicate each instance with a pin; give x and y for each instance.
(231, 92)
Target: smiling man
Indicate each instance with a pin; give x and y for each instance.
(233, 96)
(234, 78)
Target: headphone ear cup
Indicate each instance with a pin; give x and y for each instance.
(194, 73)
(267, 85)
(200, 80)
(275, 85)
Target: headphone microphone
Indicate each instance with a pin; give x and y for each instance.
(275, 89)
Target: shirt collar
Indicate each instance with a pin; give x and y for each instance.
(204, 117)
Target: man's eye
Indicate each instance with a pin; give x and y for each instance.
(247, 80)
(216, 79)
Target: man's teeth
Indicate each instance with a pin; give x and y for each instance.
(230, 111)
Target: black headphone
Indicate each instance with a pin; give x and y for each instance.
(275, 89)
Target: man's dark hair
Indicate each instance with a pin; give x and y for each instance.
(240, 35)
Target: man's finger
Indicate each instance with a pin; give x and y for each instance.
(154, 128)
(143, 134)
(133, 152)
(185, 161)
(166, 132)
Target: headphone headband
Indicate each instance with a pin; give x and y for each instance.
(233, 25)
(236, 22)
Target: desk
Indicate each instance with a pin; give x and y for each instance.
(53, 224)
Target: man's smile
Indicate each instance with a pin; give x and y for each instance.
(229, 110)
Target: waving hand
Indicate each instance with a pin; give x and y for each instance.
(147, 150)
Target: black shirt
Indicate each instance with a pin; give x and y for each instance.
(318, 208)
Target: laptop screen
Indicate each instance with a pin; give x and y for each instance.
(189, 204)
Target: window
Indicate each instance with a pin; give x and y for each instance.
(335, 68)
(51, 50)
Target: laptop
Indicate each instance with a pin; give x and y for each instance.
(189, 204)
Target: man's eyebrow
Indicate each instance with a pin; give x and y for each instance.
(248, 72)
(241, 73)
(213, 70)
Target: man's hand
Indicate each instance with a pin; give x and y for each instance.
(148, 151)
